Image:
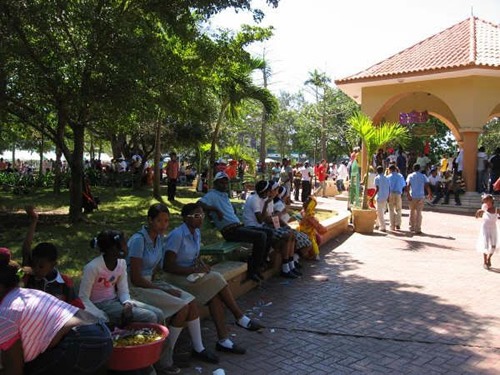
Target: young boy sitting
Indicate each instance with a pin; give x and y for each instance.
(42, 273)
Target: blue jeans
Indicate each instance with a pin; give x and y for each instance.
(83, 350)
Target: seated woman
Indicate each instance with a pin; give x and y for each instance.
(146, 250)
(182, 259)
(311, 226)
(40, 334)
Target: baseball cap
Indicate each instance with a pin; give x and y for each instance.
(220, 175)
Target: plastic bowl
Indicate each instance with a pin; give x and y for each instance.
(127, 358)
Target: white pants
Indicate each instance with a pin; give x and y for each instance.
(381, 206)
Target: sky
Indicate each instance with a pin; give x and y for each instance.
(344, 37)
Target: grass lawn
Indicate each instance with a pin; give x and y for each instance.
(121, 208)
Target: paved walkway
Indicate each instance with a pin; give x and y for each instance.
(387, 303)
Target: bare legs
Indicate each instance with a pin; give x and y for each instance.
(487, 260)
(216, 307)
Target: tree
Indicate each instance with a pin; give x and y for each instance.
(490, 138)
(87, 63)
(374, 137)
(231, 79)
(319, 83)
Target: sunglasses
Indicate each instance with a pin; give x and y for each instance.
(196, 216)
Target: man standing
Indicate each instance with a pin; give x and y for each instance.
(275, 171)
(416, 185)
(321, 175)
(342, 176)
(382, 194)
(401, 162)
(217, 204)
(482, 170)
(396, 186)
(172, 175)
(306, 173)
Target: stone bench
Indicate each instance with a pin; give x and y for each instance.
(224, 250)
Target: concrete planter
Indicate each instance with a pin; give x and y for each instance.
(363, 220)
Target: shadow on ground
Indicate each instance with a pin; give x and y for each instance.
(330, 322)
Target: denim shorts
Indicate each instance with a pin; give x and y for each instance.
(83, 350)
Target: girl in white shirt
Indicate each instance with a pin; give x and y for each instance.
(104, 286)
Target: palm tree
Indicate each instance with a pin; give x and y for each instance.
(320, 84)
(235, 87)
(374, 137)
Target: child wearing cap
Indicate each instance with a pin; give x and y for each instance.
(488, 235)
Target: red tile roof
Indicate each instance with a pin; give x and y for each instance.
(470, 43)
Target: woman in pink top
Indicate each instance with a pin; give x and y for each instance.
(40, 334)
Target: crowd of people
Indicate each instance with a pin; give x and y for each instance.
(158, 276)
(117, 287)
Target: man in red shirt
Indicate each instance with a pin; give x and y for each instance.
(321, 176)
(172, 175)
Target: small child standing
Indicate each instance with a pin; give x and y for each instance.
(488, 236)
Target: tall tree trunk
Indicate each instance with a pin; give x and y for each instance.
(157, 173)
(40, 152)
(323, 137)
(56, 167)
(215, 138)
(76, 181)
(62, 120)
(263, 151)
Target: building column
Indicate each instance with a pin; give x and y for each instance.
(470, 158)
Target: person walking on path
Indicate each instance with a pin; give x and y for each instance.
(172, 175)
(416, 185)
(396, 187)
(382, 195)
(321, 174)
(488, 235)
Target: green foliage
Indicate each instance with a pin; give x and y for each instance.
(374, 137)
(490, 138)
(108, 66)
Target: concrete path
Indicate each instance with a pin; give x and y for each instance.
(387, 303)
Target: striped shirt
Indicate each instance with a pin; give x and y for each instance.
(34, 317)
